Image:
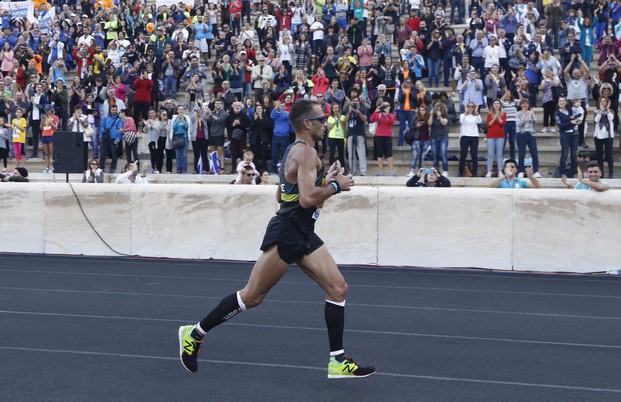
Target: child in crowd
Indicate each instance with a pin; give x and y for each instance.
(577, 113)
(19, 137)
(247, 161)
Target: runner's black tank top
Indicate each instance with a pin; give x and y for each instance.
(290, 194)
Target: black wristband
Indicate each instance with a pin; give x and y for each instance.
(336, 185)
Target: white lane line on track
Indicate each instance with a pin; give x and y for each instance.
(310, 283)
(572, 278)
(588, 317)
(296, 367)
(288, 327)
(476, 272)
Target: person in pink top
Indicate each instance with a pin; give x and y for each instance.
(383, 137)
(365, 54)
(7, 59)
(121, 89)
(131, 141)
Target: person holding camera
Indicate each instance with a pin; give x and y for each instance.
(383, 137)
(438, 133)
(280, 139)
(431, 178)
(356, 136)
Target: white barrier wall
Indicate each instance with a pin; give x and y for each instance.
(539, 230)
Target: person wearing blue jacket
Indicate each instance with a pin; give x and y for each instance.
(587, 38)
(569, 137)
(109, 138)
(280, 139)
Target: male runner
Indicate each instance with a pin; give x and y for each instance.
(289, 238)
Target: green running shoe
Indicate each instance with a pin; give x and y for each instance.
(188, 348)
(347, 369)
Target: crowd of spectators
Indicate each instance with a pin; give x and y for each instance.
(240, 65)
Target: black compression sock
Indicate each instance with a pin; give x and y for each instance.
(335, 321)
(228, 308)
(196, 335)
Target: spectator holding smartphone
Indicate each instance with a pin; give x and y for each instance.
(430, 178)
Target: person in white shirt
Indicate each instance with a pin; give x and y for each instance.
(131, 175)
(491, 53)
(261, 72)
(317, 31)
(86, 39)
(469, 137)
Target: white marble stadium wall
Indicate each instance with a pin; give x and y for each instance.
(538, 230)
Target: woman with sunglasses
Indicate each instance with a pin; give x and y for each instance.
(93, 174)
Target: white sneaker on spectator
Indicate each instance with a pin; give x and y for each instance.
(521, 175)
(488, 175)
(552, 130)
(537, 175)
(445, 174)
(392, 174)
(46, 170)
(410, 174)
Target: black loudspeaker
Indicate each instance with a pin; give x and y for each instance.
(68, 152)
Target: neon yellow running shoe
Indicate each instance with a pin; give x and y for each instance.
(347, 369)
(188, 348)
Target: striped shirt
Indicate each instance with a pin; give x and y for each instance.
(511, 109)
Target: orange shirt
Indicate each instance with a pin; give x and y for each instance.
(407, 105)
(48, 129)
(38, 61)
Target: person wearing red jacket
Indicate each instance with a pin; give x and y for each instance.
(321, 82)
(283, 15)
(83, 57)
(142, 99)
(383, 137)
(235, 8)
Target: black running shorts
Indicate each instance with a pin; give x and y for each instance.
(383, 146)
(292, 244)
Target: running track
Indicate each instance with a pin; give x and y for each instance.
(105, 329)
